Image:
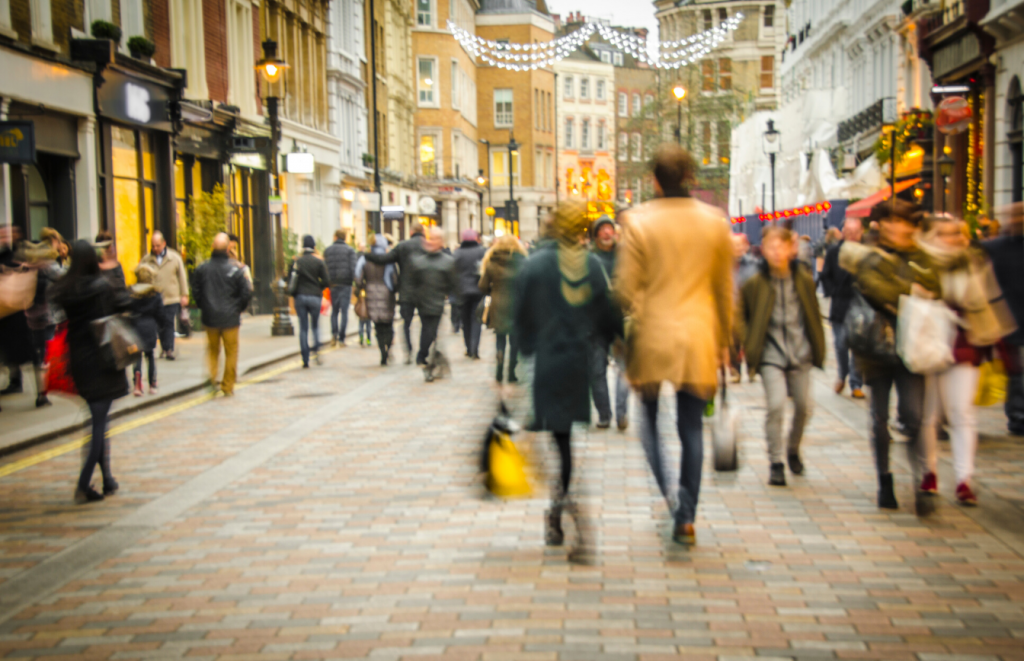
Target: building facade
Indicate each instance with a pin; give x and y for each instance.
(736, 79)
(447, 153)
(519, 104)
(347, 112)
(586, 128)
(1005, 22)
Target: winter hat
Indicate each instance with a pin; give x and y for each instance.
(603, 220)
(308, 242)
(469, 235)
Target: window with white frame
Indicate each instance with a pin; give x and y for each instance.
(568, 132)
(132, 24)
(538, 171)
(623, 147)
(96, 10)
(187, 52)
(426, 81)
(430, 153)
(424, 13)
(503, 107)
(499, 168)
(606, 56)
(636, 105)
(637, 147)
(599, 90)
(585, 134)
(648, 104)
(567, 87)
(623, 105)
(42, 21)
(600, 135)
(617, 59)
(456, 98)
(584, 87)
(241, 63)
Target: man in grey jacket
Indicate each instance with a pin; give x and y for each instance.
(433, 279)
(341, 265)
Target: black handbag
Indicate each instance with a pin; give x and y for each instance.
(293, 281)
(119, 343)
(870, 333)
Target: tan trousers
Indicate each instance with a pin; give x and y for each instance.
(214, 338)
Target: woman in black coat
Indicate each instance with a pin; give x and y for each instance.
(86, 295)
(562, 301)
(147, 306)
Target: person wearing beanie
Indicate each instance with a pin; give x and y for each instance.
(603, 242)
(311, 279)
(468, 256)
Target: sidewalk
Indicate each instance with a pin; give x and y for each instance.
(22, 424)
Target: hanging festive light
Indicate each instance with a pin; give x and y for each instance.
(529, 57)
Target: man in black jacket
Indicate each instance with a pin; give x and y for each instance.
(311, 281)
(403, 254)
(222, 291)
(341, 267)
(838, 285)
(467, 266)
(1005, 253)
(433, 279)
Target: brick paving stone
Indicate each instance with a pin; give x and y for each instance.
(367, 537)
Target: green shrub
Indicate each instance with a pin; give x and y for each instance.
(106, 30)
(142, 46)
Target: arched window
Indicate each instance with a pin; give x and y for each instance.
(1015, 138)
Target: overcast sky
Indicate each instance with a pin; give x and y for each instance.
(629, 13)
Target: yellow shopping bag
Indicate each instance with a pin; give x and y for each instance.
(991, 384)
(506, 475)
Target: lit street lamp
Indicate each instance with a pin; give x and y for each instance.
(772, 146)
(271, 67)
(480, 181)
(680, 93)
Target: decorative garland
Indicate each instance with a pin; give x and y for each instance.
(913, 125)
(975, 131)
(530, 57)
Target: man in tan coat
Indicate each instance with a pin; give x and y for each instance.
(674, 278)
(171, 281)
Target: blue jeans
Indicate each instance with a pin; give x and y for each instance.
(99, 453)
(364, 330)
(599, 383)
(341, 296)
(690, 425)
(308, 307)
(844, 357)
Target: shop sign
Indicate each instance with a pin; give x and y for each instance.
(299, 163)
(249, 160)
(17, 142)
(133, 100)
(275, 204)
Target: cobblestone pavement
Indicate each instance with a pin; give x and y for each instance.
(335, 513)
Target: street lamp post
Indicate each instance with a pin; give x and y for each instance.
(945, 169)
(511, 211)
(490, 200)
(772, 146)
(272, 68)
(480, 181)
(680, 93)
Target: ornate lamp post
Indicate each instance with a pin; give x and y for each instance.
(772, 146)
(680, 93)
(271, 67)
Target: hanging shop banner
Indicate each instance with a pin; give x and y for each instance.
(134, 100)
(17, 143)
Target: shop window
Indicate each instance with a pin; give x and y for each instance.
(503, 107)
(767, 72)
(134, 192)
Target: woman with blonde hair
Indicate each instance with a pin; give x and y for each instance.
(562, 301)
(498, 269)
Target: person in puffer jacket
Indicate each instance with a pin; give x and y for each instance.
(341, 267)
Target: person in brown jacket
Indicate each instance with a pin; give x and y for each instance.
(674, 278)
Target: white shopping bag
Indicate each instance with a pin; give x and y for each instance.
(925, 333)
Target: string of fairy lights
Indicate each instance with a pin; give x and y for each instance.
(530, 57)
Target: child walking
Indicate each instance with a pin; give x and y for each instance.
(147, 305)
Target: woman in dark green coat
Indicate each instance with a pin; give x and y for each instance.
(562, 302)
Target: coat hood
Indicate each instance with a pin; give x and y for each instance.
(380, 245)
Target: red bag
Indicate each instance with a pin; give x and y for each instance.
(58, 357)
(325, 305)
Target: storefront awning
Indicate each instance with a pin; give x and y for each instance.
(862, 208)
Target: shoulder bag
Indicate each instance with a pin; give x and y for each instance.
(871, 333)
(118, 342)
(17, 290)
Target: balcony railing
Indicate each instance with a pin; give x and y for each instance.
(872, 117)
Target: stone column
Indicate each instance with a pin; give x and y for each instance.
(87, 199)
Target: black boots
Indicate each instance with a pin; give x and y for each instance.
(501, 366)
(777, 478)
(795, 464)
(886, 494)
(553, 534)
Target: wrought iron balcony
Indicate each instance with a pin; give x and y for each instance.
(871, 118)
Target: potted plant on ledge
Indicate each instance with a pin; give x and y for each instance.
(106, 30)
(141, 48)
